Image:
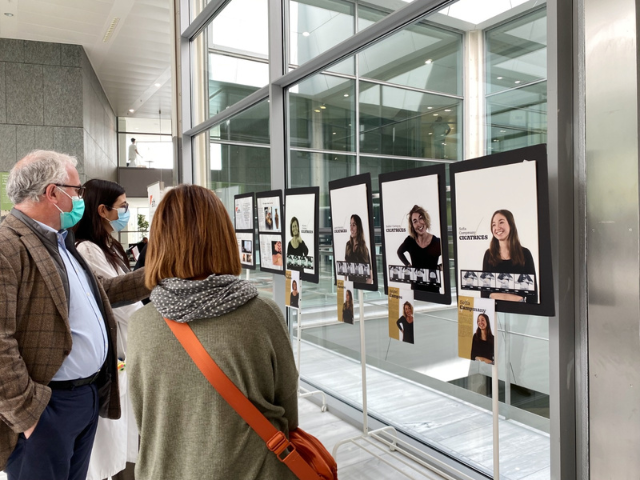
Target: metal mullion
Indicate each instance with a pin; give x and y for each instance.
(413, 89)
(316, 150)
(535, 82)
(397, 157)
(239, 144)
(233, 110)
(361, 40)
(208, 13)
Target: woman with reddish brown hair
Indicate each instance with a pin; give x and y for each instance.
(187, 429)
(506, 255)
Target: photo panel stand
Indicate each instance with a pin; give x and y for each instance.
(372, 441)
(303, 392)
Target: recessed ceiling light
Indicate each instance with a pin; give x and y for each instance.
(431, 134)
(317, 111)
(112, 27)
(428, 62)
(158, 85)
(8, 14)
(429, 108)
(322, 107)
(435, 114)
(502, 131)
(346, 94)
(517, 81)
(499, 78)
(447, 109)
(334, 133)
(131, 110)
(305, 34)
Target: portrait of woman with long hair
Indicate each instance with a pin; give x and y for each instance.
(507, 256)
(482, 346)
(356, 250)
(405, 323)
(347, 308)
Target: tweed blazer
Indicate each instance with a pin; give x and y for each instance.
(35, 336)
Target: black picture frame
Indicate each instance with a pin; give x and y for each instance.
(440, 172)
(537, 153)
(289, 196)
(253, 211)
(251, 266)
(263, 233)
(362, 179)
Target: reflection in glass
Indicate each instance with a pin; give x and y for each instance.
(395, 121)
(517, 52)
(317, 25)
(229, 58)
(251, 126)
(517, 118)
(322, 113)
(156, 151)
(516, 83)
(306, 169)
(420, 56)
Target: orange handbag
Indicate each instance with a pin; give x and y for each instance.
(304, 454)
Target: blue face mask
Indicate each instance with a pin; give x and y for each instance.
(69, 219)
(121, 222)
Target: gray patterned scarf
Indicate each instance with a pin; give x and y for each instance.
(186, 300)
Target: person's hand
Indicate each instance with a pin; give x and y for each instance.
(485, 360)
(27, 433)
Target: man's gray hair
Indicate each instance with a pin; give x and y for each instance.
(30, 176)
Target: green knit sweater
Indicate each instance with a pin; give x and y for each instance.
(187, 430)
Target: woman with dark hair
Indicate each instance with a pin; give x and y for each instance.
(106, 211)
(507, 256)
(347, 308)
(356, 250)
(296, 246)
(405, 323)
(424, 248)
(187, 429)
(482, 346)
(295, 295)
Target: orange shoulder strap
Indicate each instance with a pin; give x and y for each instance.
(276, 440)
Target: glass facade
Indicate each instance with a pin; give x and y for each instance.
(399, 103)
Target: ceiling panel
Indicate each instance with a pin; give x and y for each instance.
(136, 56)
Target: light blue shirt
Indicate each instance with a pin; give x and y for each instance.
(88, 331)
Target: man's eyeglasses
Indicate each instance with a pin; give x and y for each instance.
(121, 209)
(79, 188)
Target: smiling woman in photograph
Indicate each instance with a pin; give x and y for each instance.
(506, 255)
(483, 343)
(296, 246)
(423, 247)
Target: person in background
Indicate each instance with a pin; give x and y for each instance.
(187, 429)
(133, 154)
(57, 332)
(107, 211)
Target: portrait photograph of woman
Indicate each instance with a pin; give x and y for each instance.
(351, 224)
(405, 323)
(503, 235)
(294, 297)
(300, 228)
(414, 228)
(482, 345)
(347, 307)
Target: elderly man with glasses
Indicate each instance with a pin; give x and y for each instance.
(58, 365)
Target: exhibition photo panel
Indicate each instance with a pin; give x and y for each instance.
(243, 209)
(414, 233)
(502, 245)
(245, 247)
(270, 237)
(301, 232)
(352, 230)
(269, 207)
